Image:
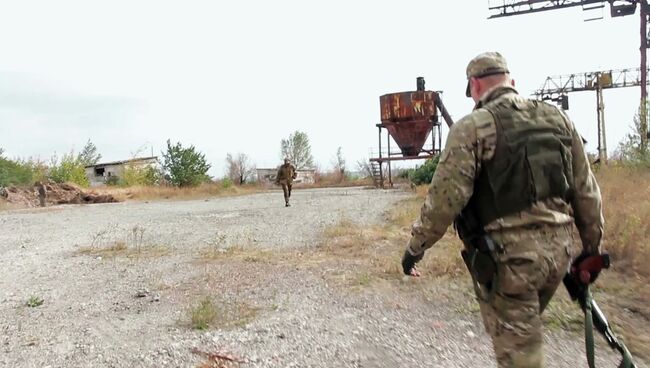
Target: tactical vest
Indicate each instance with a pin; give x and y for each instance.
(532, 161)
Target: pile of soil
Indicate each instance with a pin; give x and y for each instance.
(56, 194)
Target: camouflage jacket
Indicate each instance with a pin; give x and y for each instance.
(471, 141)
(286, 174)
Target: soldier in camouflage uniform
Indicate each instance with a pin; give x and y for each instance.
(285, 176)
(42, 193)
(519, 167)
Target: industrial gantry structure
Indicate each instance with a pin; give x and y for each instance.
(557, 87)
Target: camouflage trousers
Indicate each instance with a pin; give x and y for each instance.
(530, 266)
(286, 188)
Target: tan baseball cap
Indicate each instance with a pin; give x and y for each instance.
(485, 64)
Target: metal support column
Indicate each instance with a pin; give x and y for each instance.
(643, 109)
(433, 138)
(390, 175)
(602, 142)
(381, 172)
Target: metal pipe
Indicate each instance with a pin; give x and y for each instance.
(443, 110)
(420, 84)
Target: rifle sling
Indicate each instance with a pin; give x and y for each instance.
(589, 329)
(626, 362)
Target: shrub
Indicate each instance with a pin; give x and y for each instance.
(70, 169)
(423, 174)
(139, 175)
(14, 173)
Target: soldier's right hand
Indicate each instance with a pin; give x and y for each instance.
(587, 266)
(408, 263)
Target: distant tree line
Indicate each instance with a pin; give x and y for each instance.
(180, 166)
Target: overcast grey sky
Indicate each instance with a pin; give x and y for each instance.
(238, 76)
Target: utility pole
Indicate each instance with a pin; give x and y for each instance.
(602, 142)
(643, 110)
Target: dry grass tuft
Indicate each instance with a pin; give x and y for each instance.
(121, 249)
(624, 291)
(562, 313)
(376, 251)
(245, 253)
(626, 207)
(207, 313)
(174, 193)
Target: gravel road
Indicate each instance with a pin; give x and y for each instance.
(132, 310)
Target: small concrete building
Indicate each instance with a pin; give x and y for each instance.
(98, 174)
(267, 176)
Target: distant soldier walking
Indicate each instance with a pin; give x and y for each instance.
(286, 174)
(513, 177)
(42, 193)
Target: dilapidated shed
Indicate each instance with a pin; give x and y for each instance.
(99, 174)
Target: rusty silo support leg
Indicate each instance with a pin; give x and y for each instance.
(381, 171)
(390, 177)
(433, 138)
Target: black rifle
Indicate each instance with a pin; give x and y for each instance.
(576, 282)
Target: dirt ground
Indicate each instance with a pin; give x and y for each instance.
(112, 285)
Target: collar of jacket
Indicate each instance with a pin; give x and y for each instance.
(494, 93)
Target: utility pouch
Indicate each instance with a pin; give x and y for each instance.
(478, 254)
(480, 262)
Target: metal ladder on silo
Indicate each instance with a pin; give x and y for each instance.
(375, 170)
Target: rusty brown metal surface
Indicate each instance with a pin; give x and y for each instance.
(407, 117)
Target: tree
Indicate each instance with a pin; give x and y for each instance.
(339, 162)
(364, 168)
(297, 149)
(631, 148)
(184, 166)
(240, 169)
(88, 155)
(70, 169)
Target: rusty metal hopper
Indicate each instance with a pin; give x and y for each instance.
(407, 117)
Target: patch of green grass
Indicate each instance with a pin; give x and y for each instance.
(34, 301)
(364, 279)
(210, 313)
(203, 314)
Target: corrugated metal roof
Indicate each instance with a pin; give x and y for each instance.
(125, 161)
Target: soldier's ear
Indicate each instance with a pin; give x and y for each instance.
(512, 82)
